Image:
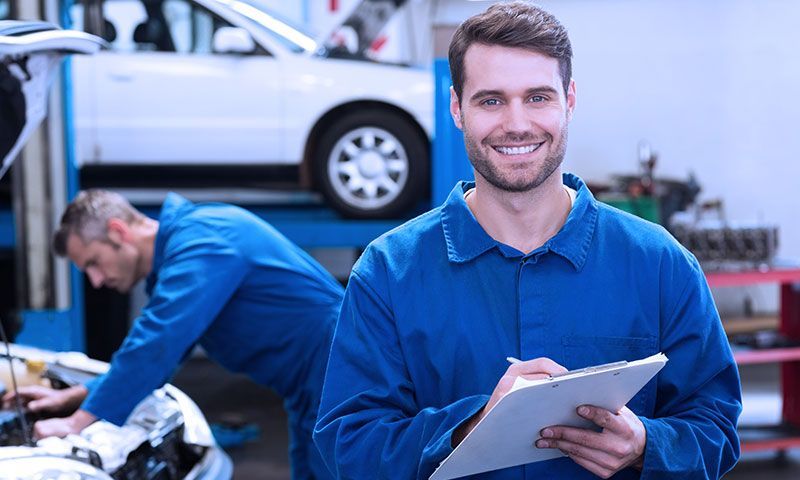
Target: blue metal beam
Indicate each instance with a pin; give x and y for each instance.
(314, 227)
(309, 228)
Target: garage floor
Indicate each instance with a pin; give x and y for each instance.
(226, 397)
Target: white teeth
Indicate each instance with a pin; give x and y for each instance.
(517, 150)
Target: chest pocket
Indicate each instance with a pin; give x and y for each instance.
(587, 350)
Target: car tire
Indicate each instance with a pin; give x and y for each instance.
(372, 164)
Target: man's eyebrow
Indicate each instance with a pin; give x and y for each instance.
(536, 90)
(486, 93)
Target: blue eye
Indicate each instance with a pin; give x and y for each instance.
(491, 102)
(537, 99)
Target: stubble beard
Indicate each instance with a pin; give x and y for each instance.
(530, 176)
(127, 269)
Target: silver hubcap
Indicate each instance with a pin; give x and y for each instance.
(368, 168)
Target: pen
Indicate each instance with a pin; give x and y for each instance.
(515, 360)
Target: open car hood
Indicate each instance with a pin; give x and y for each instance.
(353, 37)
(30, 52)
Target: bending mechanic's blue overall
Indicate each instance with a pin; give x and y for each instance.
(257, 303)
(434, 307)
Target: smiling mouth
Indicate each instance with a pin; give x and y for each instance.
(519, 150)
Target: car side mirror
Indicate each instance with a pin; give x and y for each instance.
(233, 40)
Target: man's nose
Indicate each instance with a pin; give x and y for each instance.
(95, 277)
(516, 118)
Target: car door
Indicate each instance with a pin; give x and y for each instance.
(162, 96)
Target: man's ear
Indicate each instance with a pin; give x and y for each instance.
(455, 109)
(571, 97)
(118, 231)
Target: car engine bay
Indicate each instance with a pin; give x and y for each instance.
(165, 438)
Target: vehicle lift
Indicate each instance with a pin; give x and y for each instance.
(57, 322)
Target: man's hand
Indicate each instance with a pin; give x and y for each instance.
(532, 370)
(61, 427)
(619, 445)
(40, 399)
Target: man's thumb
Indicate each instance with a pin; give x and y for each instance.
(38, 405)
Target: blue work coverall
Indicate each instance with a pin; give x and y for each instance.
(434, 307)
(258, 304)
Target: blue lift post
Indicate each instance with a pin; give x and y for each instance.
(309, 227)
(449, 157)
(7, 230)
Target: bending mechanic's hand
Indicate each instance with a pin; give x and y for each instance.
(40, 399)
(532, 370)
(61, 427)
(619, 445)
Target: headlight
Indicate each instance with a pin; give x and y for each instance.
(48, 468)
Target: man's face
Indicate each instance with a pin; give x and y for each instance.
(514, 114)
(108, 263)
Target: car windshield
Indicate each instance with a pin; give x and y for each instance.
(287, 33)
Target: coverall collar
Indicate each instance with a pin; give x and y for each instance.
(466, 239)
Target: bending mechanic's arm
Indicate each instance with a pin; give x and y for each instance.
(369, 425)
(195, 282)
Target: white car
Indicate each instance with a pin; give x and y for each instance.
(166, 436)
(226, 83)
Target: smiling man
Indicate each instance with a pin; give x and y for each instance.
(218, 277)
(524, 262)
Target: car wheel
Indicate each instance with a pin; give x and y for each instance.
(372, 164)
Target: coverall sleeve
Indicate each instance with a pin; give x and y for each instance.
(199, 274)
(693, 432)
(369, 424)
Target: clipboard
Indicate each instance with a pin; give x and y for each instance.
(505, 436)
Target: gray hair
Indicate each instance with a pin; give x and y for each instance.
(88, 214)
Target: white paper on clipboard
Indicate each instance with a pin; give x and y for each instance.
(505, 436)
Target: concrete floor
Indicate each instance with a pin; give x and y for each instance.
(226, 397)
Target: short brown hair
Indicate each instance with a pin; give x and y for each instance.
(516, 25)
(88, 214)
